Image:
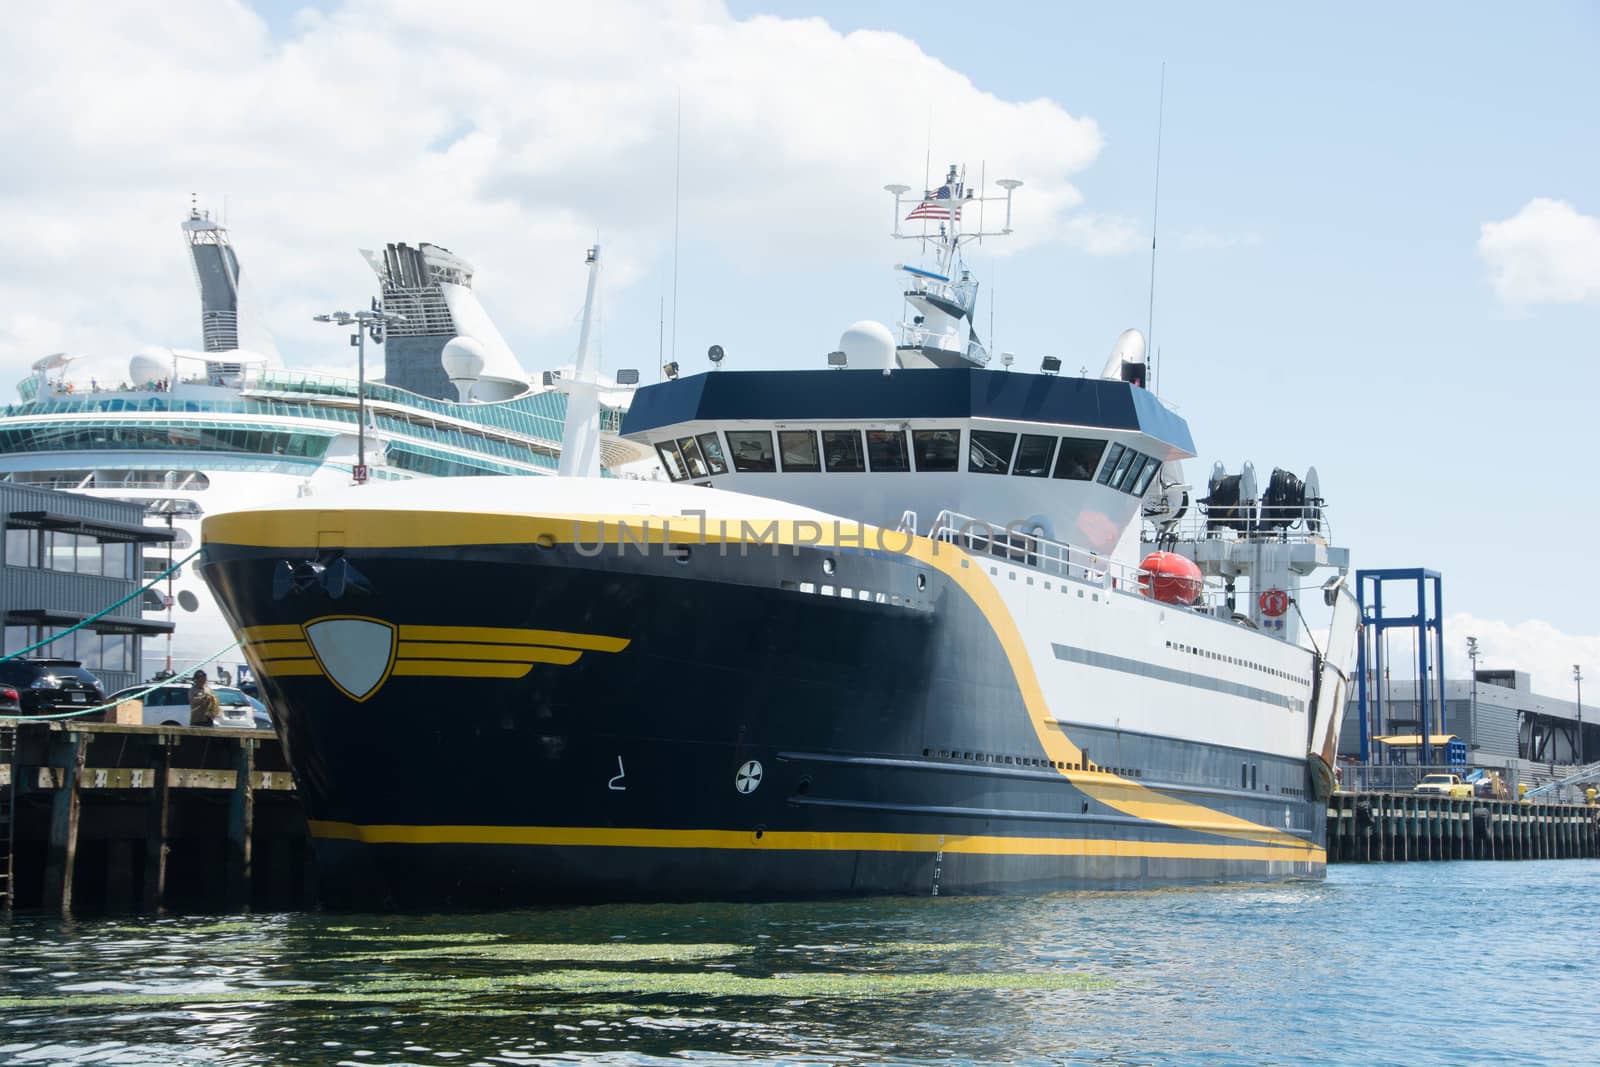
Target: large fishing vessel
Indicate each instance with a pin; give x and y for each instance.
(900, 623)
(191, 432)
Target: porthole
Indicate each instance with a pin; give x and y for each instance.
(922, 582)
(827, 566)
(188, 601)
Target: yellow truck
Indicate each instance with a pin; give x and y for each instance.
(1444, 785)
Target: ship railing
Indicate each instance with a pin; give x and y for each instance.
(962, 294)
(1297, 525)
(1048, 556)
(944, 341)
(1029, 549)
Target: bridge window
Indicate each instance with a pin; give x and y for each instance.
(1127, 471)
(692, 457)
(1033, 455)
(937, 450)
(799, 448)
(886, 451)
(711, 448)
(842, 451)
(1146, 476)
(752, 451)
(990, 451)
(1078, 458)
(1117, 452)
(672, 460)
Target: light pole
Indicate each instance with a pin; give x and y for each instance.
(1472, 714)
(1577, 680)
(372, 323)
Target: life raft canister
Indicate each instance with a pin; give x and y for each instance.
(1170, 578)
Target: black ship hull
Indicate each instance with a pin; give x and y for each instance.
(567, 721)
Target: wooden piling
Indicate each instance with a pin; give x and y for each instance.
(1409, 828)
(157, 820)
(241, 824)
(61, 854)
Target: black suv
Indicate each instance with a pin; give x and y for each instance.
(50, 685)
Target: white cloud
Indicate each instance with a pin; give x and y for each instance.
(1102, 235)
(1547, 253)
(508, 132)
(1544, 652)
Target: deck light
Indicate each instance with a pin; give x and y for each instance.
(371, 323)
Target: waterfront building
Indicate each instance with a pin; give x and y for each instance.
(68, 557)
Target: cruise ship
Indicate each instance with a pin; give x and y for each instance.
(902, 622)
(191, 432)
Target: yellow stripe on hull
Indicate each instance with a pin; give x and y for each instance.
(282, 668)
(277, 632)
(497, 636)
(271, 650)
(794, 840)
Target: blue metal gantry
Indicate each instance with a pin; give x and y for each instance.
(1370, 665)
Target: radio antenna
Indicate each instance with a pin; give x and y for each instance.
(677, 200)
(1155, 218)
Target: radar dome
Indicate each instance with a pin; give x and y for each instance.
(868, 344)
(463, 359)
(142, 369)
(1128, 349)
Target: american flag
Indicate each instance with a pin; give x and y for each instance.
(933, 208)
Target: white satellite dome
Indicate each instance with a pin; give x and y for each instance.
(146, 368)
(463, 359)
(1128, 349)
(868, 344)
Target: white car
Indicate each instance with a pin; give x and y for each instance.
(168, 705)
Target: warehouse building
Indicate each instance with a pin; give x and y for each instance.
(67, 558)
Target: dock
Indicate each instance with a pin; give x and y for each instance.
(1411, 827)
(96, 817)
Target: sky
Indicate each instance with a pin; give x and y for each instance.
(1379, 225)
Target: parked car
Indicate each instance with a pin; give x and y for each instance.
(10, 700)
(168, 705)
(46, 686)
(1444, 785)
(263, 717)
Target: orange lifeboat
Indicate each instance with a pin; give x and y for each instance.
(1170, 578)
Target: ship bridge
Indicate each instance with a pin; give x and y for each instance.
(1067, 458)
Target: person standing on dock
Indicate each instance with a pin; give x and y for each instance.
(203, 707)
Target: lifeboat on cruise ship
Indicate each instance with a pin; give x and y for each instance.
(1170, 578)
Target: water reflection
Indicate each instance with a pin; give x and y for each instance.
(1260, 974)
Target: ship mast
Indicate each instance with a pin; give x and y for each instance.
(941, 330)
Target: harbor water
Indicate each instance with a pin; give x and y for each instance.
(1449, 963)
